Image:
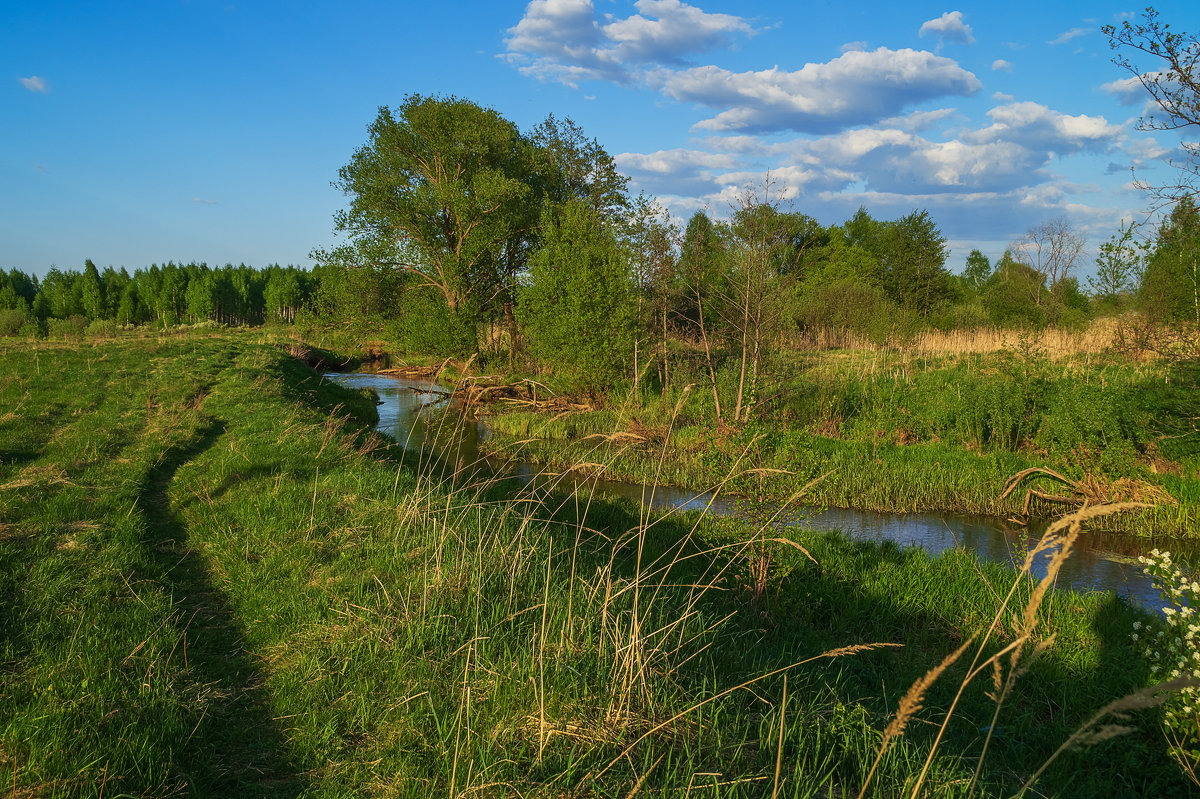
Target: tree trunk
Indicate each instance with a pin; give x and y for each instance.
(712, 373)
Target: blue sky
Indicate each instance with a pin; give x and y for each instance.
(140, 132)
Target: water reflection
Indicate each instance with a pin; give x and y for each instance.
(1099, 563)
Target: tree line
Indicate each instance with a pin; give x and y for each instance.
(165, 295)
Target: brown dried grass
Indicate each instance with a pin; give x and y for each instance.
(1099, 336)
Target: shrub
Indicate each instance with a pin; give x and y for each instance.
(101, 328)
(71, 328)
(11, 322)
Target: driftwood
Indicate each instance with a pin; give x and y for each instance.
(409, 371)
(1091, 490)
(482, 390)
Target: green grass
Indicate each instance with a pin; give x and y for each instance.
(212, 582)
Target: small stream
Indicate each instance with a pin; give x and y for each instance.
(1101, 562)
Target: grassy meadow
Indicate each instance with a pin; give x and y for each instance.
(214, 580)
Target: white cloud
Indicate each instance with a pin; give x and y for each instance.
(1128, 91)
(667, 161)
(1003, 167)
(853, 46)
(1000, 65)
(676, 30)
(35, 84)
(563, 40)
(202, 201)
(1146, 149)
(949, 27)
(1067, 36)
(918, 121)
(853, 89)
(1035, 126)
(559, 40)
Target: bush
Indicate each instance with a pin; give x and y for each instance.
(577, 309)
(32, 328)
(11, 322)
(425, 325)
(71, 328)
(101, 328)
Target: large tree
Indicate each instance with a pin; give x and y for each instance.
(699, 282)
(438, 190)
(580, 169)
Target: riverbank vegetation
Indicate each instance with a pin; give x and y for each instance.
(215, 579)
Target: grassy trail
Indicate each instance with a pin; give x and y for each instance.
(213, 582)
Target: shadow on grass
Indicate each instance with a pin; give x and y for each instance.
(236, 748)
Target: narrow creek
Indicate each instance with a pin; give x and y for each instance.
(1101, 562)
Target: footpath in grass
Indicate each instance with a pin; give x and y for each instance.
(213, 581)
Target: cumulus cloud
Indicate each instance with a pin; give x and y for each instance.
(676, 30)
(949, 27)
(35, 84)
(855, 88)
(563, 40)
(1067, 36)
(677, 172)
(918, 121)
(1000, 65)
(895, 163)
(1129, 91)
(668, 161)
(1035, 126)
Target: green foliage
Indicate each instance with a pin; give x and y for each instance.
(977, 270)
(581, 169)
(1015, 295)
(420, 323)
(11, 321)
(913, 253)
(1118, 266)
(1171, 286)
(440, 190)
(578, 308)
(101, 328)
(72, 328)
(851, 304)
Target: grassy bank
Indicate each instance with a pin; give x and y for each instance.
(907, 432)
(212, 582)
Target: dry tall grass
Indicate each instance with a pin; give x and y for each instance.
(1097, 337)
